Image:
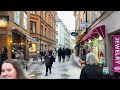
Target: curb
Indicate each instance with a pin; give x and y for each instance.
(75, 58)
(28, 65)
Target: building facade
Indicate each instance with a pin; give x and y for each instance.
(43, 25)
(16, 35)
(99, 38)
(63, 35)
(27, 31)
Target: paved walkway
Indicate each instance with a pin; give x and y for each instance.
(60, 70)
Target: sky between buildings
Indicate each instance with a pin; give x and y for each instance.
(68, 19)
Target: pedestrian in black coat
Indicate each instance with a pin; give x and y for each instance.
(68, 53)
(91, 70)
(59, 54)
(63, 54)
(47, 63)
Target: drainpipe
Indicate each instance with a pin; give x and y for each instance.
(86, 21)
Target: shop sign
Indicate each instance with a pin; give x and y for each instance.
(116, 53)
(84, 24)
(74, 34)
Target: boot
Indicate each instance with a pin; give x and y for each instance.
(46, 74)
(50, 71)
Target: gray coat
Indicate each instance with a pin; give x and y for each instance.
(47, 60)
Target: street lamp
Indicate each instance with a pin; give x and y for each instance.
(40, 29)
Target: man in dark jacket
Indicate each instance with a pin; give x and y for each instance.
(63, 54)
(41, 55)
(68, 53)
(59, 54)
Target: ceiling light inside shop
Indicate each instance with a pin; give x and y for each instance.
(3, 22)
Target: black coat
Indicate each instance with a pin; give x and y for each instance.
(63, 53)
(4, 56)
(68, 51)
(59, 52)
(91, 72)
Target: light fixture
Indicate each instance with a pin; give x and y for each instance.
(3, 22)
(100, 38)
(11, 41)
(89, 41)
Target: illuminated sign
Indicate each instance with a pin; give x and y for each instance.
(4, 21)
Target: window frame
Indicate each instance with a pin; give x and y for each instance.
(32, 24)
(25, 17)
(17, 17)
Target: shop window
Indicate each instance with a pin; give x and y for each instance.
(32, 48)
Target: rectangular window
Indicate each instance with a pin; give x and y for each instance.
(45, 16)
(25, 20)
(17, 17)
(54, 37)
(56, 40)
(32, 12)
(56, 32)
(32, 27)
(41, 30)
(56, 25)
(45, 32)
(41, 14)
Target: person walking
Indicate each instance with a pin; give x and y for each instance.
(59, 54)
(91, 70)
(63, 54)
(41, 55)
(68, 53)
(47, 63)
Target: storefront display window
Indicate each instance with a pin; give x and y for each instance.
(32, 48)
(102, 52)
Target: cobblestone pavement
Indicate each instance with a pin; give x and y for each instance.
(60, 70)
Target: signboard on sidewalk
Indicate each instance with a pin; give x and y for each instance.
(116, 53)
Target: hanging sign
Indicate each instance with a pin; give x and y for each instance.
(74, 34)
(116, 53)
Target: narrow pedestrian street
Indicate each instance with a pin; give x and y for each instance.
(60, 70)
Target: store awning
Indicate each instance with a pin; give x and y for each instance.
(29, 38)
(98, 31)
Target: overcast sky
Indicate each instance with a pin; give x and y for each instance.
(68, 19)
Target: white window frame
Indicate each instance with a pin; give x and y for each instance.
(17, 17)
(25, 20)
